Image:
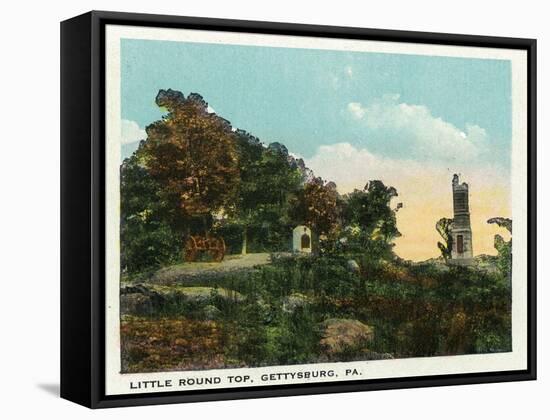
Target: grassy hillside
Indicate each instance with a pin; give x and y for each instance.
(313, 309)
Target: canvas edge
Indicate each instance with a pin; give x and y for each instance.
(76, 226)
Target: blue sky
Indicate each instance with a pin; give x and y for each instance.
(299, 97)
(403, 114)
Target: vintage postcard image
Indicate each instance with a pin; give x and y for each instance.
(296, 210)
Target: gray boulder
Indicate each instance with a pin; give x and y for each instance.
(295, 301)
(340, 335)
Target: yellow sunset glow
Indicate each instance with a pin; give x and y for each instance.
(416, 221)
(426, 193)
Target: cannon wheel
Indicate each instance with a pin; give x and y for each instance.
(217, 249)
(190, 251)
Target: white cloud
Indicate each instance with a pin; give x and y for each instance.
(415, 129)
(356, 110)
(351, 167)
(131, 132)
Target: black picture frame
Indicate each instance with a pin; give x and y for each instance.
(83, 200)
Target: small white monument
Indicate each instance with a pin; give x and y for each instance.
(301, 239)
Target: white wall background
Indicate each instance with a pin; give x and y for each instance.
(29, 210)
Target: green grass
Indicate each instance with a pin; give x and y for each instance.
(414, 311)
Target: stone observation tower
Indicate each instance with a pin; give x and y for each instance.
(462, 251)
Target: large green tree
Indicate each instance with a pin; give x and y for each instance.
(368, 213)
(247, 213)
(268, 180)
(147, 236)
(318, 205)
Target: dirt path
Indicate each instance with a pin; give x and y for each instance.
(231, 263)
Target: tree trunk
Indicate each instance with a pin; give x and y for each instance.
(245, 241)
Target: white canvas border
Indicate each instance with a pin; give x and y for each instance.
(117, 383)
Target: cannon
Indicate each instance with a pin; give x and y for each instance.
(211, 245)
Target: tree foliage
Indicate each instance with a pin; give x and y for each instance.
(503, 247)
(268, 179)
(444, 227)
(147, 237)
(192, 154)
(368, 212)
(194, 174)
(318, 205)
